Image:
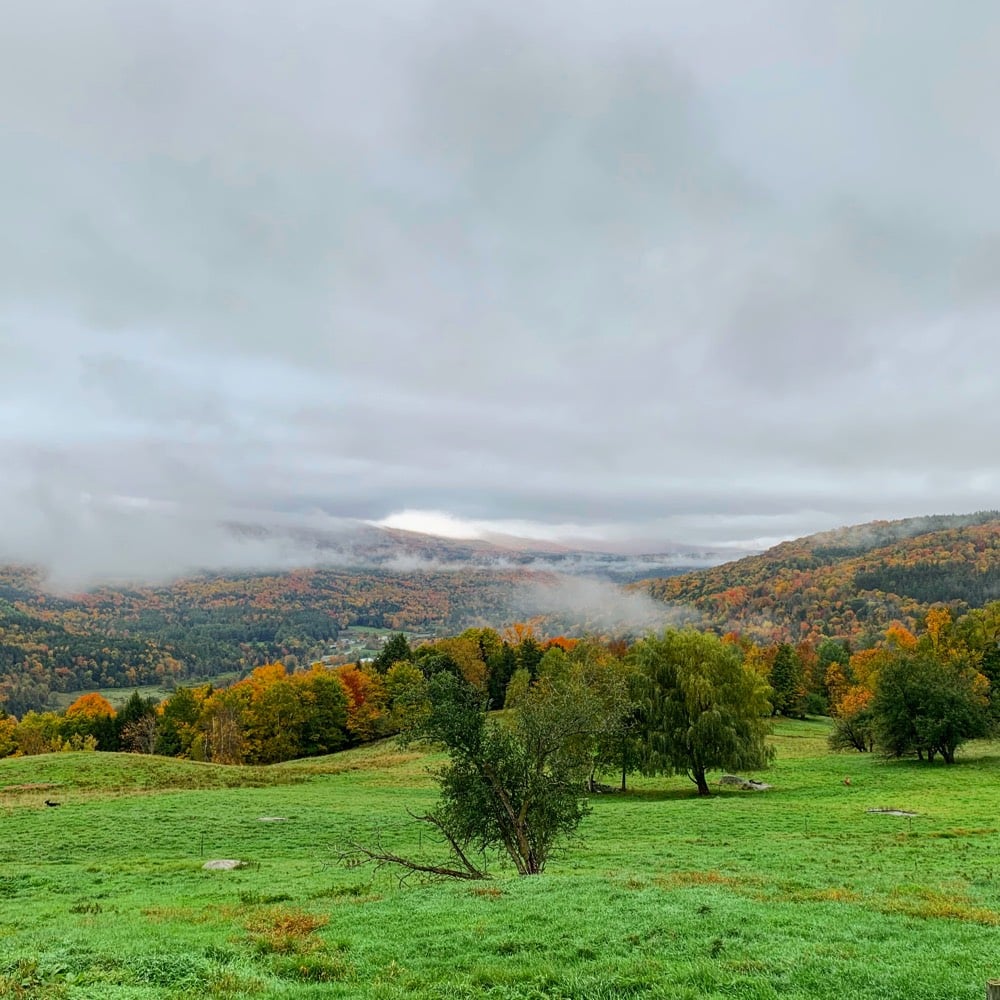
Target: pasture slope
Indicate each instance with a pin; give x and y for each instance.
(795, 893)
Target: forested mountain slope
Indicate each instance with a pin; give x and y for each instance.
(848, 582)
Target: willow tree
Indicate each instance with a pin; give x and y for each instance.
(699, 707)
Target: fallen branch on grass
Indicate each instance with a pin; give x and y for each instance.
(359, 854)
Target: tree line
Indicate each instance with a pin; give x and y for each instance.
(277, 714)
(920, 692)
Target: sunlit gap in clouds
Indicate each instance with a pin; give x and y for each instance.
(445, 525)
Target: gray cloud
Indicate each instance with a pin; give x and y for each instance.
(703, 274)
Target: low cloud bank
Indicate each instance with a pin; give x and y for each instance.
(84, 540)
(581, 604)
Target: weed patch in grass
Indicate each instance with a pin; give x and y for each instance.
(348, 893)
(182, 914)
(283, 931)
(930, 904)
(674, 879)
(86, 906)
(486, 892)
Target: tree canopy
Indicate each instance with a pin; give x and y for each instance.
(699, 707)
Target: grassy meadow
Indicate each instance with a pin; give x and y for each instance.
(792, 893)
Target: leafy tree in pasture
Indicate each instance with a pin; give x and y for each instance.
(274, 716)
(220, 738)
(554, 665)
(979, 633)
(519, 784)
(432, 660)
(406, 689)
(517, 689)
(700, 708)
(39, 732)
(466, 651)
(8, 731)
(514, 785)
(853, 724)
(617, 747)
(926, 705)
(366, 703)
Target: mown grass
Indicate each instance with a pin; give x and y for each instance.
(793, 893)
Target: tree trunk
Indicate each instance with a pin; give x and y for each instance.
(701, 782)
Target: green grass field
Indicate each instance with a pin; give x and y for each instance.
(61, 700)
(793, 893)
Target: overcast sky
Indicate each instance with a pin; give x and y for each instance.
(704, 272)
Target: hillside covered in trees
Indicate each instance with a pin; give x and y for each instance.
(217, 624)
(851, 583)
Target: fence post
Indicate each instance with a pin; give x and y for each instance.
(993, 989)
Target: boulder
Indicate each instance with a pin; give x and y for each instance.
(747, 784)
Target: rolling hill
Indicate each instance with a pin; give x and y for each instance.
(847, 582)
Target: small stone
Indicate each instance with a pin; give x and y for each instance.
(272, 819)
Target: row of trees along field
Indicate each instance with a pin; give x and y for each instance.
(907, 693)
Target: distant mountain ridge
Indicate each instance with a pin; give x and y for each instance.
(361, 545)
(849, 581)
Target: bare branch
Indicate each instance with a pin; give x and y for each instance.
(360, 854)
